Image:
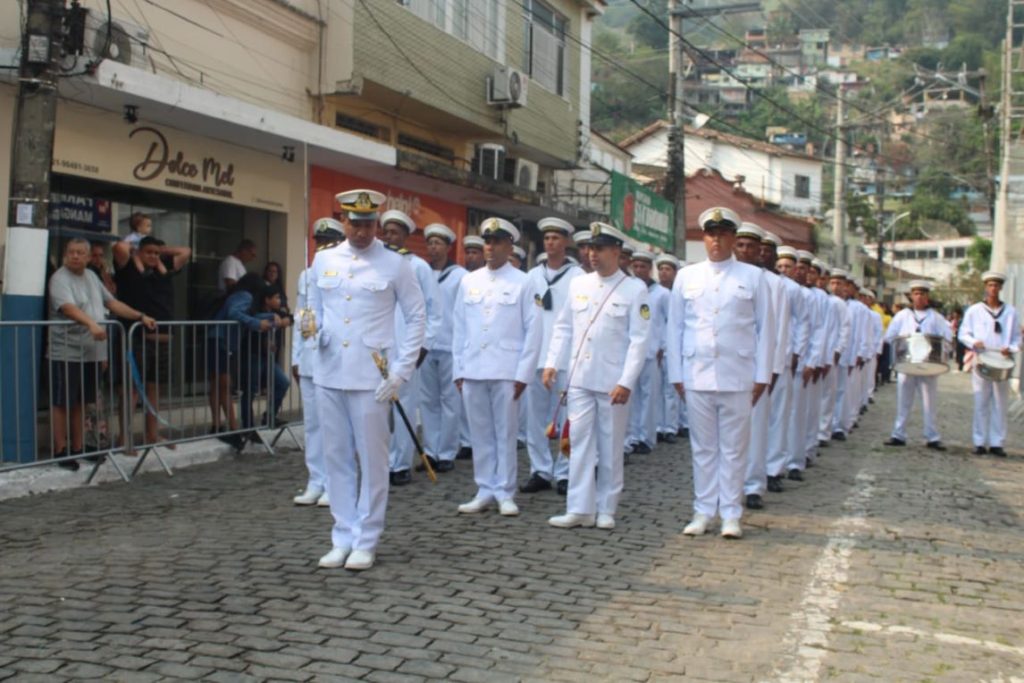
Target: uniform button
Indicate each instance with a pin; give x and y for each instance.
(587, 357)
(485, 329)
(484, 345)
(348, 297)
(347, 321)
(345, 343)
(590, 339)
(716, 310)
(350, 275)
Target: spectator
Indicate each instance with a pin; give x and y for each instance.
(272, 276)
(223, 358)
(256, 351)
(98, 265)
(141, 226)
(232, 269)
(955, 318)
(146, 282)
(77, 295)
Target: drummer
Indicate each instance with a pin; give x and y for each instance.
(920, 318)
(990, 327)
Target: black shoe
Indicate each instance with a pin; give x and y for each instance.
(754, 502)
(683, 432)
(871, 400)
(642, 449)
(775, 484)
(981, 450)
(433, 464)
(810, 463)
(838, 436)
(520, 444)
(562, 487)
(535, 483)
(895, 442)
(935, 446)
(822, 444)
(444, 466)
(96, 457)
(796, 475)
(660, 438)
(400, 478)
(669, 438)
(69, 465)
(863, 409)
(856, 424)
(997, 451)
(465, 453)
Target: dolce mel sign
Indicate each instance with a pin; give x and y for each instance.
(96, 144)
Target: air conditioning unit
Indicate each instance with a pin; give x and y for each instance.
(120, 41)
(507, 87)
(526, 174)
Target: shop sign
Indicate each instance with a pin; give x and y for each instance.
(80, 212)
(642, 213)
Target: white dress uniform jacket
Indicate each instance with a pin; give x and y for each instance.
(782, 403)
(907, 322)
(990, 398)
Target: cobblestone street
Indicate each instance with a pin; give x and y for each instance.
(885, 564)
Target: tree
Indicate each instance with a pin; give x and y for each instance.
(646, 30)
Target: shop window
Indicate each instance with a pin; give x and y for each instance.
(544, 57)
(803, 187)
(426, 147)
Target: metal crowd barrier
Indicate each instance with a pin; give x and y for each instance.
(157, 389)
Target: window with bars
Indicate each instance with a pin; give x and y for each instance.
(544, 54)
(476, 22)
(802, 186)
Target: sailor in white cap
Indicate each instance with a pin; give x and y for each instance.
(748, 250)
(642, 435)
(518, 257)
(720, 336)
(626, 257)
(783, 259)
(601, 336)
(582, 239)
(816, 277)
(440, 403)
(356, 288)
(496, 341)
(327, 233)
(835, 422)
(550, 281)
(990, 326)
(873, 346)
(396, 226)
(671, 413)
(919, 318)
(473, 252)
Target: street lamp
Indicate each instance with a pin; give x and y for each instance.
(891, 227)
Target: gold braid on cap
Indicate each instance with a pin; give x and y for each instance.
(363, 202)
(716, 215)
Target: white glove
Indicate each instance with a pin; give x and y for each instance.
(388, 389)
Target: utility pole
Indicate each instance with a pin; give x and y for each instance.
(839, 189)
(675, 185)
(31, 159)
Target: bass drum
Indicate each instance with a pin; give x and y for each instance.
(921, 355)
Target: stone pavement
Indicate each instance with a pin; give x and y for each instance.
(885, 565)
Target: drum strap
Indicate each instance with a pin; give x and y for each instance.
(995, 316)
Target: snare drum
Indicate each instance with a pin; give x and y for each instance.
(921, 355)
(993, 365)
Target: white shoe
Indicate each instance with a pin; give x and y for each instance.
(569, 521)
(731, 528)
(324, 500)
(605, 522)
(474, 506)
(359, 560)
(508, 508)
(697, 527)
(335, 558)
(309, 497)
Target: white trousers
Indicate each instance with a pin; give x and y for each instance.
(642, 405)
(401, 449)
(851, 401)
(991, 400)
(355, 437)
(719, 432)
(541, 405)
(869, 373)
(463, 425)
(907, 386)
(814, 393)
(314, 448)
(597, 432)
(798, 424)
(758, 445)
(440, 406)
(829, 393)
(493, 416)
(838, 413)
(779, 425)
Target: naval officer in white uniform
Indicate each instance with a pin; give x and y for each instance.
(720, 338)
(990, 325)
(495, 344)
(327, 233)
(358, 286)
(600, 336)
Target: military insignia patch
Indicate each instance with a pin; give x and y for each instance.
(716, 215)
(363, 202)
(645, 311)
(538, 299)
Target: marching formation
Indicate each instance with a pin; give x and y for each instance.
(760, 354)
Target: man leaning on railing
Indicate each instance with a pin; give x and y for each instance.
(75, 352)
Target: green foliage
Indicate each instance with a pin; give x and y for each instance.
(925, 206)
(979, 255)
(646, 30)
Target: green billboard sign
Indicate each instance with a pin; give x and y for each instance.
(642, 213)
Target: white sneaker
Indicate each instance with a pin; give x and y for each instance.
(731, 528)
(569, 521)
(324, 500)
(697, 527)
(359, 560)
(508, 508)
(474, 506)
(605, 522)
(309, 497)
(335, 558)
